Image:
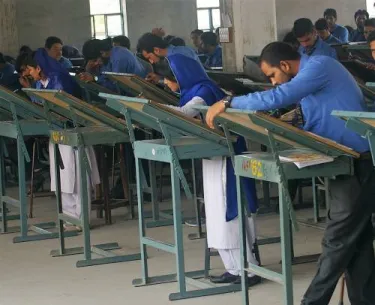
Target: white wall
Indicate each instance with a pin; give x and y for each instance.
(287, 11)
(177, 17)
(8, 27)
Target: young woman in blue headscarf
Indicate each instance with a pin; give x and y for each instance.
(187, 77)
(49, 74)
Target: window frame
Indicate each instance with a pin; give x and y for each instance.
(211, 23)
(120, 13)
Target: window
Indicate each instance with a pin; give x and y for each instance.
(208, 12)
(371, 7)
(107, 18)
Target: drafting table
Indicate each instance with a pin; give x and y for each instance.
(88, 131)
(28, 120)
(283, 139)
(183, 139)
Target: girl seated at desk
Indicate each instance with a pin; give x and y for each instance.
(186, 76)
(49, 74)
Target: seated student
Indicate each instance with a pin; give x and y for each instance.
(360, 17)
(195, 37)
(103, 57)
(175, 41)
(54, 47)
(70, 52)
(322, 85)
(369, 27)
(121, 41)
(290, 39)
(49, 74)
(153, 48)
(340, 32)
(321, 27)
(25, 49)
(187, 77)
(311, 44)
(212, 49)
(8, 77)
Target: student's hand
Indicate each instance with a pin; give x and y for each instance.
(86, 77)
(158, 31)
(213, 112)
(370, 66)
(25, 82)
(153, 78)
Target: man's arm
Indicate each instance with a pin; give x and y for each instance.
(344, 34)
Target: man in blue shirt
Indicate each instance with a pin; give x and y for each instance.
(154, 49)
(320, 85)
(310, 42)
(340, 32)
(321, 27)
(212, 49)
(369, 27)
(102, 57)
(360, 17)
(54, 47)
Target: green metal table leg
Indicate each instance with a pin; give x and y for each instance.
(4, 219)
(286, 246)
(22, 188)
(316, 204)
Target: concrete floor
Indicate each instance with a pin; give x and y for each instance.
(30, 276)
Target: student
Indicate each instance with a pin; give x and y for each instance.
(187, 77)
(360, 17)
(102, 57)
(196, 40)
(8, 77)
(176, 41)
(70, 52)
(322, 85)
(340, 32)
(290, 39)
(49, 74)
(321, 27)
(153, 48)
(369, 27)
(121, 41)
(311, 44)
(25, 49)
(212, 49)
(54, 47)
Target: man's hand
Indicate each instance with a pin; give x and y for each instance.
(370, 66)
(86, 77)
(153, 78)
(25, 82)
(158, 31)
(213, 112)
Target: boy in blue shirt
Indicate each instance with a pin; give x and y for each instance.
(212, 49)
(360, 17)
(340, 32)
(310, 42)
(319, 85)
(321, 27)
(54, 46)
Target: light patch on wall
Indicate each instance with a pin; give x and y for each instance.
(370, 4)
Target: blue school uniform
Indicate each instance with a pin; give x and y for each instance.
(66, 63)
(341, 33)
(215, 60)
(319, 48)
(357, 36)
(321, 86)
(8, 78)
(332, 40)
(193, 81)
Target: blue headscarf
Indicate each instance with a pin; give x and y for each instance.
(193, 80)
(53, 69)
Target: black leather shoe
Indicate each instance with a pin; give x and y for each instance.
(251, 281)
(225, 278)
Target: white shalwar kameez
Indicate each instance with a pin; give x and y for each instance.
(69, 176)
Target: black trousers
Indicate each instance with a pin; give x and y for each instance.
(348, 242)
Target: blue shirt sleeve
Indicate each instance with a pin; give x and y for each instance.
(344, 34)
(307, 81)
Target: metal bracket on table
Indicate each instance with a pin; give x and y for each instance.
(19, 133)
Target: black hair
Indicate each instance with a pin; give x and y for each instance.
(321, 24)
(209, 38)
(70, 52)
(302, 27)
(361, 12)
(275, 52)
(330, 12)
(197, 32)
(150, 41)
(2, 59)
(122, 40)
(177, 42)
(290, 39)
(50, 41)
(349, 28)
(25, 49)
(164, 70)
(91, 49)
(371, 37)
(370, 22)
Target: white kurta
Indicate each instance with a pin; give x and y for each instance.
(70, 182)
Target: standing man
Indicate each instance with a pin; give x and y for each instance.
(321, 27)
(340, 32)
(360, 17)
(310, 42)
(213, 50)
(322, 85)
(54, 46)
